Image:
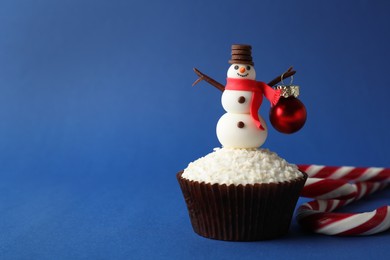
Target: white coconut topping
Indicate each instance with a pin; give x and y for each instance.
(241, 166)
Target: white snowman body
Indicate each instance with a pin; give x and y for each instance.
(236, 128)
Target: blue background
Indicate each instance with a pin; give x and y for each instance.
(97, 114)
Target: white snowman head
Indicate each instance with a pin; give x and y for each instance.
(241, 71)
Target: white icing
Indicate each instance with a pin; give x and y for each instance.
(231, 136)
(231, 104)
(241, 71)
(241, 166)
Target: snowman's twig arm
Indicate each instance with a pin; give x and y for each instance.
(209, 80)
(290, 72)
(285, 75)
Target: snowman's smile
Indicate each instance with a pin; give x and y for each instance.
(242, 75)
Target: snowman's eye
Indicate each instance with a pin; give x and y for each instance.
(248, 67)
(236, 67)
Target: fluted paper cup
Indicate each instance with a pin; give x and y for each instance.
(241, 212)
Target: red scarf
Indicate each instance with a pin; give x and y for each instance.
(259, 89)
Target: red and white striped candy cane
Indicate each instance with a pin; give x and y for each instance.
(328, 189)
(330, 182)
(317, 215)
(357, 174)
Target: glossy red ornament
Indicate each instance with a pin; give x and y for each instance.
(288, 115)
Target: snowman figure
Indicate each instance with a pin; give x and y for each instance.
(241, 126)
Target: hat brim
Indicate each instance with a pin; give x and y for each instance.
(241, 62)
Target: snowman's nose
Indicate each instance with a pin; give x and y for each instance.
(242, 69)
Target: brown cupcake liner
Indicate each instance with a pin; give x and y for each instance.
(241, 212)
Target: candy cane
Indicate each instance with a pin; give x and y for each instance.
(330, 182)
(316, 215)
(328, 189)
(347, 173)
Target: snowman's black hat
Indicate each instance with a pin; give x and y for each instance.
(242, 54)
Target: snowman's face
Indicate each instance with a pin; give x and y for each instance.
(241, 71)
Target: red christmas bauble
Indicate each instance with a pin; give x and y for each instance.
(288, 115)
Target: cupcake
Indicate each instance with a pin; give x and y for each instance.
(241, 192)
